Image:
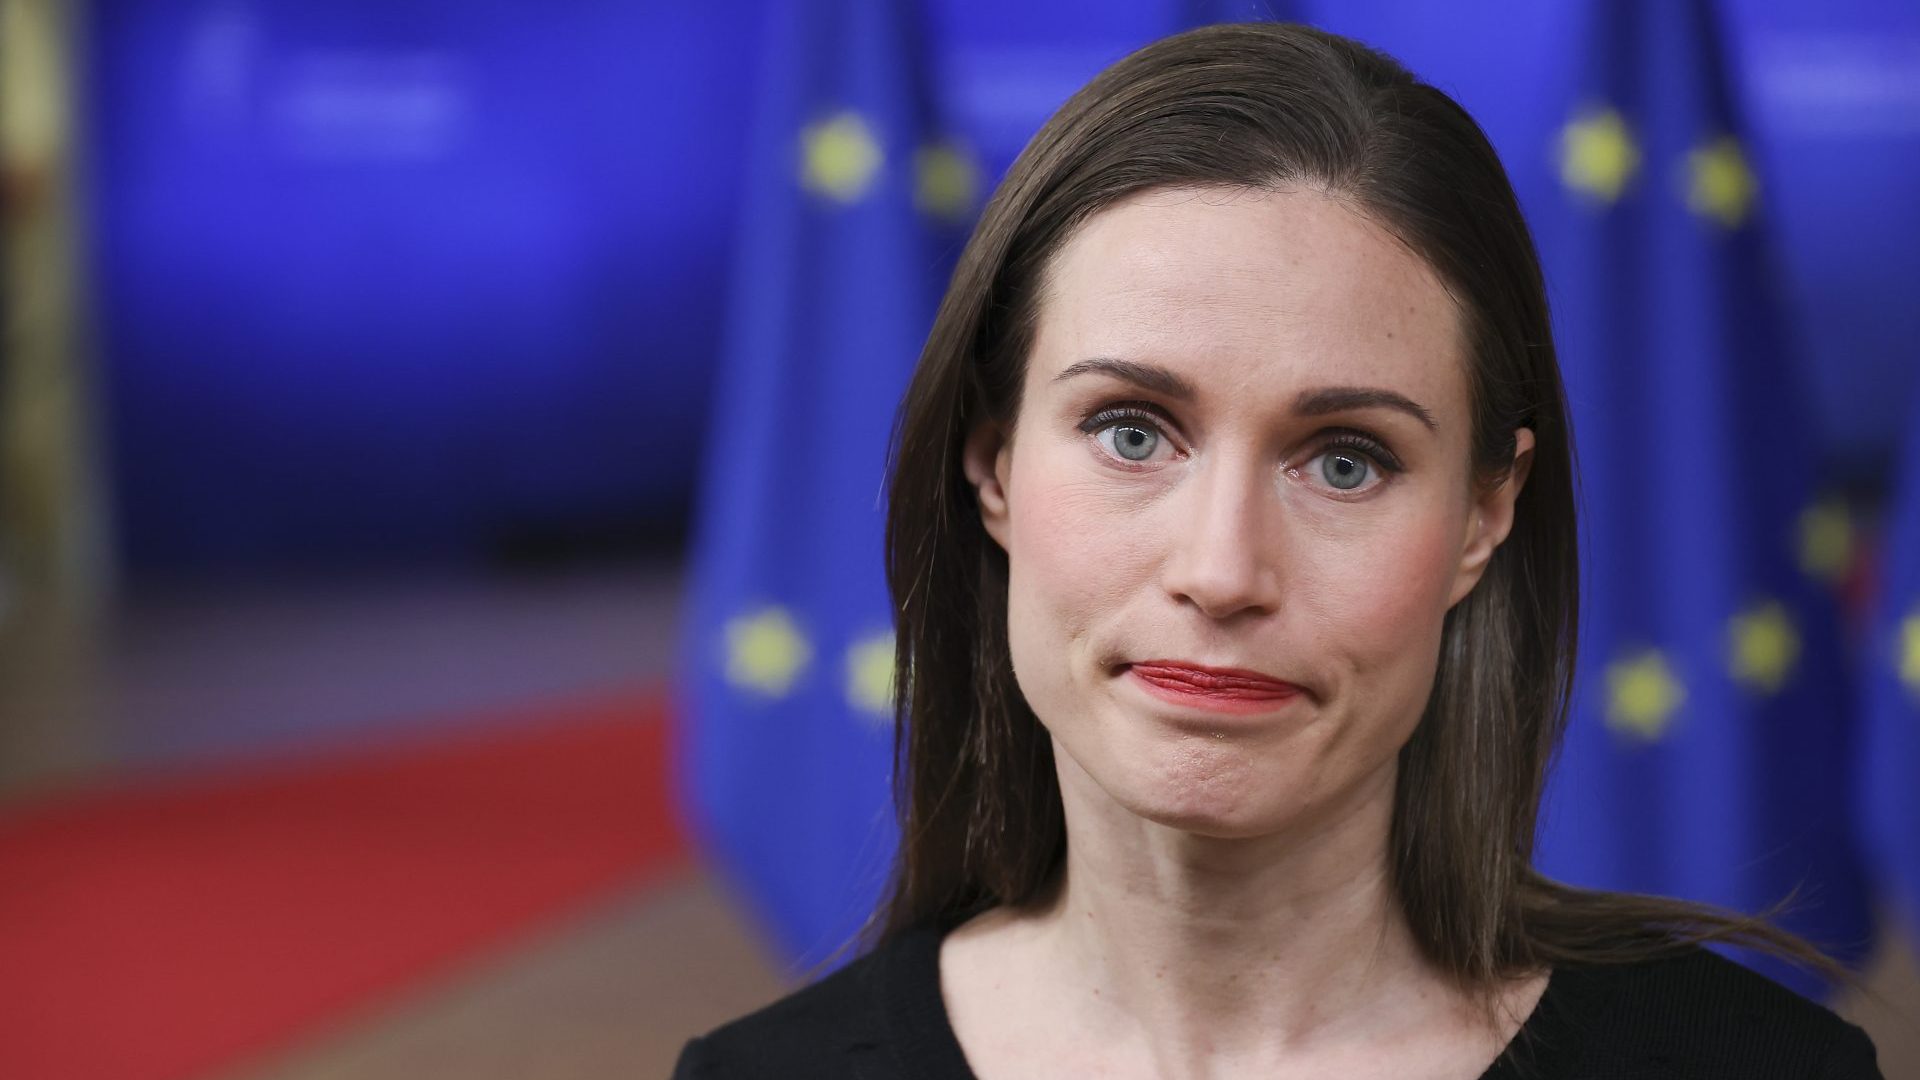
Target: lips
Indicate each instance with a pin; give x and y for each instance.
(1220, 684)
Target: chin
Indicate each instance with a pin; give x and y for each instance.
(1228, 788)
(1207, 795)
(1210, 825)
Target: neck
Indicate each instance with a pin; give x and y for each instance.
(1253, 947)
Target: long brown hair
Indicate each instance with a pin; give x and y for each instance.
(1265, 105)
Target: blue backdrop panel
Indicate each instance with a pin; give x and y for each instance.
(855, 210)
(1707, 755)
(379, 280)
(1888, 783)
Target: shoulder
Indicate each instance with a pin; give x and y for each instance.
(1699, 1014)
(824, 1029)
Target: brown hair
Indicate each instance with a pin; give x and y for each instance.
(1265, 105)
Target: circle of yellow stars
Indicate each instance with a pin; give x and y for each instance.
(842, 159)
(1599, 157)
(767, 653)
(1718, 183)
(870, 675)
(1643, 694)
(1763, 646)
(1909, 652)
(946, 181)
(1826, 540)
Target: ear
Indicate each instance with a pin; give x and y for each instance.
(1492, 518)
(985, 458)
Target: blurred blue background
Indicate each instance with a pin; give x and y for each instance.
(441, 281)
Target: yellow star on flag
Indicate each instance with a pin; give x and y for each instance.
(766, 651)
(1719, 184)
(1598, 155)
(1764, 646)
(1910, 652)
(870, 675)
(946, 182)
(1826, 540)
(1642, 695)
(840, 158)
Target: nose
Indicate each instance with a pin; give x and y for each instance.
(1222, 558)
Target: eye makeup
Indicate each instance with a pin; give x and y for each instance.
(1154, 418)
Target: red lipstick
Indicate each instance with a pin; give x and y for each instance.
(1234, 690)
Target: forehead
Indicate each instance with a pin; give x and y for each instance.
(1283, 288)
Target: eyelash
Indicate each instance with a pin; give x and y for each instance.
(1150, 415)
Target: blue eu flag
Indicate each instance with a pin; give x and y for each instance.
(1890, 747)
(1708, 753)
(854, 210)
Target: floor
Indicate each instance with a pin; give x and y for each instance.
(182, 676)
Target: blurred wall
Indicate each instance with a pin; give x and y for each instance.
(431, 280)
(407, 280)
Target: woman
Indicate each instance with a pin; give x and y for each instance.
(1232, 548)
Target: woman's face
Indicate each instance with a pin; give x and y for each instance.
(1243, 444)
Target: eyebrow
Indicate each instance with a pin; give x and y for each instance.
(1334, 399)
(1320, 402)
(1147, 376)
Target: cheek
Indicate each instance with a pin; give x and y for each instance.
(1414, 573)
(1076, 553)
(1384, 595)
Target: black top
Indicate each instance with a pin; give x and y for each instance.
(1698, 1016)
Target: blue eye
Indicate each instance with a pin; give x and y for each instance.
(1135, 442)
(1348, 459)
(1344, 470)
(1127, 431)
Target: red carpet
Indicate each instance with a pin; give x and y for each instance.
(168, 928)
